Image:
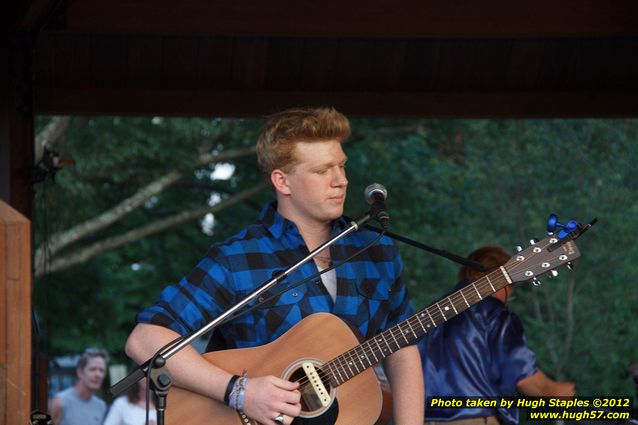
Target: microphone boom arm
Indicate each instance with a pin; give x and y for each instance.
(441, 253)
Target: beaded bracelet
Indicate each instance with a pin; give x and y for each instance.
(229, 389)
(236, 398)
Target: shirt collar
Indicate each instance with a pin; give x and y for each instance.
(277, 224)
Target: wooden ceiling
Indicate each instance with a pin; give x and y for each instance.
(403, 58)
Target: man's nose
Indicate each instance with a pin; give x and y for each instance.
(340, 178)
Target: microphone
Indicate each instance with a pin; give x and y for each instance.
(376, 195)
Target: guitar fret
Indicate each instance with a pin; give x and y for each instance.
(490, 282)
(464, 299)
(477, 291)
(394, 338)
(367, 358)
(349, 367)
(350, 363)
(397, 327)
(380, 349)
(443, 314)
(403, 333)
(427, 310)
(386, 343)
(330, 373)
(372, 351)
(360, 356)
(420, 322)
(485, 288)
(411, 330)
(339, 372)
(355, 358)
(448, 298)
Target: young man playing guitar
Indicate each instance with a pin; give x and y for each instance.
(300, 152)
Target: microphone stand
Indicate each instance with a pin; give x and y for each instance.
(160, 380)
(441, 253)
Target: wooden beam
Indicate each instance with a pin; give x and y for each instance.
(15, 316)
(470, 104)
(355, 18)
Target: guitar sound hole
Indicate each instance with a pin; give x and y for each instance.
(310, 403)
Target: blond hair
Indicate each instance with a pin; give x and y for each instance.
(282, 131)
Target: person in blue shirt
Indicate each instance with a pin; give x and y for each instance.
(300, 152)
(482, 353)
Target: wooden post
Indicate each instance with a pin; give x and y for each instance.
(15, 316)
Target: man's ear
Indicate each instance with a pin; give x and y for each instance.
(279, 180)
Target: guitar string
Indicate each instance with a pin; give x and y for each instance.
(350, 358)
(359, 352)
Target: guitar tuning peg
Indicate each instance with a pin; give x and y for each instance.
(570, 265)
(533, 241)
(554, 225)
(518, 248)
(553, 273)
(536, 282)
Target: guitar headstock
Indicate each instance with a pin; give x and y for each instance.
(552, 252)
(539, 259)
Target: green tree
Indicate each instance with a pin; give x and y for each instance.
(455, 184)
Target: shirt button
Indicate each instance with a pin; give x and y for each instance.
(294, 294)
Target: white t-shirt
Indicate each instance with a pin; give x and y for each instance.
(122, 412)
(329, 280)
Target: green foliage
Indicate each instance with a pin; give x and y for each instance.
(460, 184)
(454, 184)
(94, 304)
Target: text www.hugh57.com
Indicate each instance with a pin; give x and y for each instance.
(596, 415)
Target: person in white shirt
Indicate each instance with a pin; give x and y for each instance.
(130, 409)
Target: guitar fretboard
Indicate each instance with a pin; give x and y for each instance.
(352, 362)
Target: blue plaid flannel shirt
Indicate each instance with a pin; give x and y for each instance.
(370, 293)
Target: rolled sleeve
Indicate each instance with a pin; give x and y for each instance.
(197, 299)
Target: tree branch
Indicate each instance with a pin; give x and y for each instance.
(49, 135)
(84, 254)
(63, 239)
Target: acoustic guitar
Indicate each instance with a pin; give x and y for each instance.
(338, 385)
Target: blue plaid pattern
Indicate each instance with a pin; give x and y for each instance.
(370, 294)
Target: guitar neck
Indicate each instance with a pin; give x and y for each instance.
(372, 351)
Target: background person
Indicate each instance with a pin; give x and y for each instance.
(482, 353)
(78, 405)
(130, 409)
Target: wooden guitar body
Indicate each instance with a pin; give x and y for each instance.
(318, 338)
